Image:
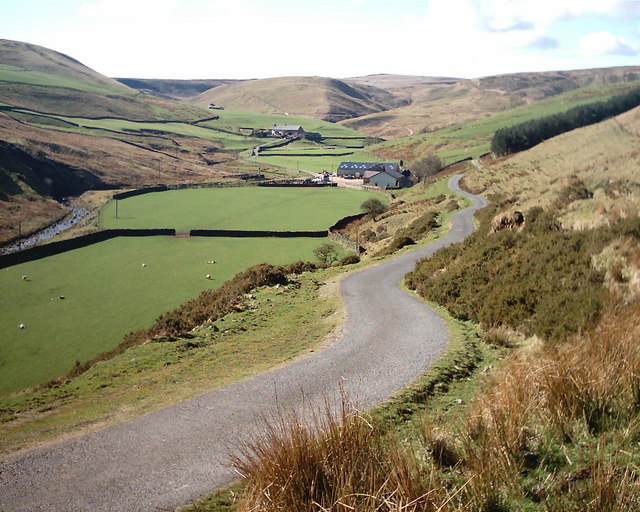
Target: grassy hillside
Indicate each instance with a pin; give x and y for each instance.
(437, 105)
(589, 174)
(41, 79)
(76, 162)
(322, 98)
(473, 139)
(109, 294)
(43, 61)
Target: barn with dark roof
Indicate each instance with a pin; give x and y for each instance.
(380, 174)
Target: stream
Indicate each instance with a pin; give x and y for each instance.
(75, 215)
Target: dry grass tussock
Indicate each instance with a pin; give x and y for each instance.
(338, 461)
(586, 393)
(556, 430)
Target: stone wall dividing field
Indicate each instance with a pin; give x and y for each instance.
(237, 233)
(339, 238)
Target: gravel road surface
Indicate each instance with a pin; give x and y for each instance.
(168, 458)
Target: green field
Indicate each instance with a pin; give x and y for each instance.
(252, 208)
(208, 130)
(108, 293)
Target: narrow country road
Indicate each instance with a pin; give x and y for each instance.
(168, 458)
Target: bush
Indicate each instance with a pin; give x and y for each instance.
(373, 207)
(575, 191)
(539, 280)
(428, 165)
(422, 226)
(368, 235)
(398, 242)
(341, 458)
(350, 259)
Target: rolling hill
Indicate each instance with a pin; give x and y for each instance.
(394, 106)
(323, 98)
(44, 80)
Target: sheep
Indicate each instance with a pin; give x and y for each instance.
(24, 277)
(61, 297)
(208, 276)
(144, 264)
(20, 326)
(211, 262)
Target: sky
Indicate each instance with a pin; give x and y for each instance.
(189, 39)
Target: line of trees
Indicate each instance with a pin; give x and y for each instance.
(526, 135)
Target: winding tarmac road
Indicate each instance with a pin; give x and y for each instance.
(168, 458)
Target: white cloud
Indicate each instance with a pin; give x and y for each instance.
(504, 15)
(605, 43)
(255, 39)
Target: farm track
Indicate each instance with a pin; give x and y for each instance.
(170, 457)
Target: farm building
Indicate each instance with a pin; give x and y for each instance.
(383, 175)
(286, 130)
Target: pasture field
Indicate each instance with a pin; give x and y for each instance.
(108, 293)
(250, 208)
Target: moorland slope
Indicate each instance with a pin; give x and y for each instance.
(436, 105)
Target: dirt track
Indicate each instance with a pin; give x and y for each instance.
(168, 458)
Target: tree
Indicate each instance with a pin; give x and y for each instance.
(426, 166)
(326, 254)
(373, 207)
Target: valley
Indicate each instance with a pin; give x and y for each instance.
(501, 374)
